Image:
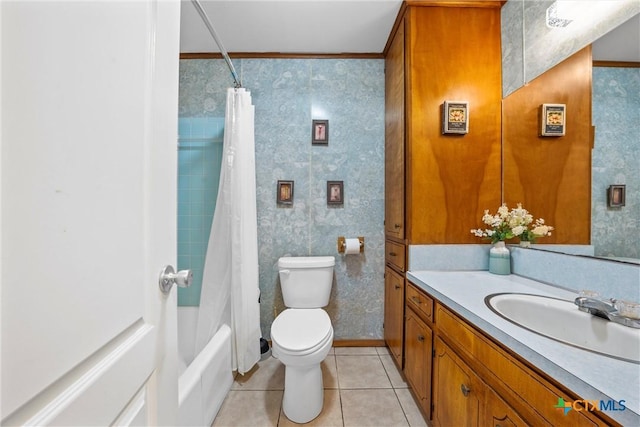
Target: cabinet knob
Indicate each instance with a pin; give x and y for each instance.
(392, 254)
(416, 300)
(397, 286)
(397, 226)
(420, 338)
(465, 390)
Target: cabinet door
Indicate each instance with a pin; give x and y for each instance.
(457, 392)
(418, 358)
(394, 313)
(394, 137)
(499, 414)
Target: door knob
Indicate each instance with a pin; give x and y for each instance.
(168, 277)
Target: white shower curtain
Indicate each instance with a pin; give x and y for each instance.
(230, 288)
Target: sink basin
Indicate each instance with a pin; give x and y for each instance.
(561, 320)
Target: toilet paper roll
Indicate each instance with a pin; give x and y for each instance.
(352, 246)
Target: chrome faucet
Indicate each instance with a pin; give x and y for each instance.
(605, 309)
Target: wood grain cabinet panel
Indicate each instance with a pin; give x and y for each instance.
(418, 358)
(394, 313)
(451, 179)
(498, 413)
(458, 394)
(394, 190)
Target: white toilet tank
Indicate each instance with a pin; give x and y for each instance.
(306, 281)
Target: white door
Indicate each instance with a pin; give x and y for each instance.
(88, 211)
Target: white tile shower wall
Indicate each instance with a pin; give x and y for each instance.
(288, 94)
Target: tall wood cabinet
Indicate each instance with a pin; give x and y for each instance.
(437, 186)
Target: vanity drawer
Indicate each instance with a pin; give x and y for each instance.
(395, 254)
(420, 302)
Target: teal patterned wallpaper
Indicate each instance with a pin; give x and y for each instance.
(288, 94)
(616, 160)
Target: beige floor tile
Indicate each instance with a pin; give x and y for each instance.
(358, 351)
(382, 350)
(250, 408)
(329, 372)
(392, 371)
(410, 408)
(361, 372)
(331, 415)
(266, 375)
(379, 408)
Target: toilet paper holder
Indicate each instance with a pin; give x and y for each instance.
(342, 244)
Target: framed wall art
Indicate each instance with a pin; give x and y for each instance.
(455, 117)
(615, 196)
(320, 132)
(285, 193)
(335, 193)
(552, 119)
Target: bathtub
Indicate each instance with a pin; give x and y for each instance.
(205, 378)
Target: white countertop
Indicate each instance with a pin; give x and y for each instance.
(590, 375)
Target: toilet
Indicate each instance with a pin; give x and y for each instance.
(302, 335)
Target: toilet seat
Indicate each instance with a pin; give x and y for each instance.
(301, 331)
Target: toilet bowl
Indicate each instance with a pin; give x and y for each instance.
(302, 335)
(301, 351)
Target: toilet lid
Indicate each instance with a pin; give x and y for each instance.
(301, 329)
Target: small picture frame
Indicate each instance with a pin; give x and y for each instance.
(335, 193)
(616, 196)
(320, 132)
(284, 195)
(455, 117)
(552, 119)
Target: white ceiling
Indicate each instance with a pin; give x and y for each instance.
(290, 26)
(330, 26)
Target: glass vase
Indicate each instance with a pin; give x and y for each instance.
(499, 259)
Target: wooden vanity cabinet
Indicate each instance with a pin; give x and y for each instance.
(527, 394)
(429, 198)
(475, 380)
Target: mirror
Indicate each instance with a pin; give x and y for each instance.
(530, 48)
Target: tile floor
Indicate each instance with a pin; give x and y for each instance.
(362, 388)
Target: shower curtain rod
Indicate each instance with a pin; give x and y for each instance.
(225, 55)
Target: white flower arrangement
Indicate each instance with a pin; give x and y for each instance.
(507, 224)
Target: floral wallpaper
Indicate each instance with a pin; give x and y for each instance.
(288, 94)
(616, 160)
